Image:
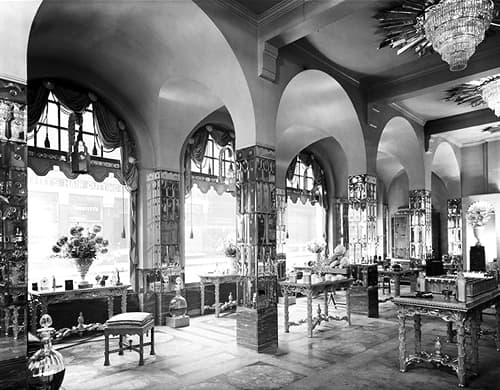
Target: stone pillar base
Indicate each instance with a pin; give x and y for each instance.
(257, 329)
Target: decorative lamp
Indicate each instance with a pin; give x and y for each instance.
(490, 93)
(46, 366)
(177, 308)
(456, 27)
(80, 158)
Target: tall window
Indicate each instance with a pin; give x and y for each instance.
(210, 212)
(56, 203)
(305, 212)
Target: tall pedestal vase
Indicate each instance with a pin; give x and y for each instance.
(478, 232)
(83, 266)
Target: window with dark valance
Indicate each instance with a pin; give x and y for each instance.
(306, 180)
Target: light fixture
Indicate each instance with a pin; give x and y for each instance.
(453, 28)
(456, 27)
(478, 92)
(490, 93)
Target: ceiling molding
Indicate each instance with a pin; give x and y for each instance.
(408, 114)
(327, 63)
(484, 63)
(240, 10)
(278, 10)
(460, 121)
(15, 79)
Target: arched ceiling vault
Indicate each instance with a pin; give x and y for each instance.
(133, 47)
(314, 106)
(445, 166)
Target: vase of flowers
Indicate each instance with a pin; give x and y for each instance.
(81, 246)
(478, 214)
(231, 252)
(316, 247)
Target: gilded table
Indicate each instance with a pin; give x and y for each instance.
(50, 297)
(310, 289)
(216, 280)
(459, 313)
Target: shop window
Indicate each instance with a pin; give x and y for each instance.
(55, 204)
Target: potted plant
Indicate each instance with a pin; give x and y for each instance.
(81, 246)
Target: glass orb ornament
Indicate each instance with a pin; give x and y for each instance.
(46, 367)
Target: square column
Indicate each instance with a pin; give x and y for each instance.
(257, 321)
(420, 214)
(454, 227)
(362, 197)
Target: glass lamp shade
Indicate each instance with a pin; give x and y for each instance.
(46, 367)
(177, 306)
(456, 27)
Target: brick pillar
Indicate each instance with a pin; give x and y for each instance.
(362, 196)
(257, 321)
(163, 235)
(420, 224)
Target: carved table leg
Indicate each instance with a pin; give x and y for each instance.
(474, 329)
(397, 285)
(348, 304)
(497, 315)
(124, 301)
(202, 298)
(111, 309)
(461, 352)
(326, 302)
(152, 352)
(449, 332)
(402, 342)
(120, 344)
(285, 299)
(217, 299)
(418, 333)
(309, 314)
(141, 349)
(106, 349)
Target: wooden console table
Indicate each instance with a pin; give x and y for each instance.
(310, 289)
(216, 280)
(396, 275)
(50, 297)
(452, 311)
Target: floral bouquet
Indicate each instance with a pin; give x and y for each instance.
(82, 246)
(230, 249)
(316, 246)
(479, 213)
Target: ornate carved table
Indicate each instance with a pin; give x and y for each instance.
(216, 280)
(396, 275)
(50, 297)
(310, 289)
(459, 313)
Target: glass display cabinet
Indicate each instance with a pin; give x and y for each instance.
(455, 227)
(420, 217)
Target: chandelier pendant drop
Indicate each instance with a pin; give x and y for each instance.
(490, 93)
(456, 27)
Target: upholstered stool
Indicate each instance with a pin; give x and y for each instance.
(131, 323)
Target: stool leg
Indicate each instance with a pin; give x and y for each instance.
(106, 350)
(120, 345)
(141, 349)
(152, 341)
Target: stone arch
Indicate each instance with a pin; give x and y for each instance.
(314, 106)
(399, 143)
(446, 166)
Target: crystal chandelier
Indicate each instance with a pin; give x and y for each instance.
(490, 93)
(456, 27)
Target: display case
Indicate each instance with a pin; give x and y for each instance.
(420, 218)
(400, 234)
(454, 227)
(13, 237)
(362, 196)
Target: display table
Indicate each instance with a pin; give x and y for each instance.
(310, 289)
(450, 311)
(216, 280)
(50, 297)
(397, 275)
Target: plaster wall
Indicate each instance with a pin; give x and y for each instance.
(398, 194)
(474, 170)
(439, 195)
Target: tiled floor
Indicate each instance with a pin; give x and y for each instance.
(205, 356)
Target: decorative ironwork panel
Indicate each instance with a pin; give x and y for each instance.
(420, 214)
(455, 227)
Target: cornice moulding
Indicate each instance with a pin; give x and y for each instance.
(407, 113)
(240, 10)
(278, 10)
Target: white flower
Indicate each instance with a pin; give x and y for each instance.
(479, 213)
